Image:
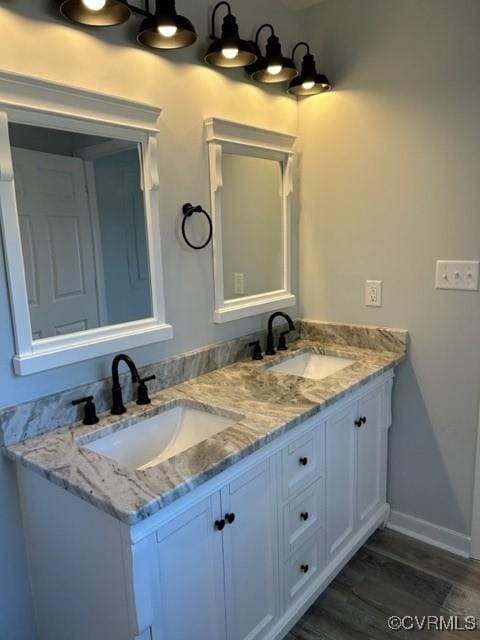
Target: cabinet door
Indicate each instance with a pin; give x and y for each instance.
(251, 553)
(340, 479)
(190, 564)
(371, 455)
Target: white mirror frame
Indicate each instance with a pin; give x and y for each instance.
(36, 102)
(233, 137)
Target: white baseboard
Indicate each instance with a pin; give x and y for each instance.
(433, 534)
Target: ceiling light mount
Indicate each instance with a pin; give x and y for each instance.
(309, 82)
(229, 50)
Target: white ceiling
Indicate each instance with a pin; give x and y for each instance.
(301, 4)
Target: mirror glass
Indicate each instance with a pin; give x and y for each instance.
(252, 226)
(83, 229)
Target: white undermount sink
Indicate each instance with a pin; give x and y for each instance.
(153, 440)
(312, 365)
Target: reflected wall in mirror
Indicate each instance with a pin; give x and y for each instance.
(252, 222)
(251, 185)
(83, 229)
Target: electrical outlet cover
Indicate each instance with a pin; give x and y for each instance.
(373, 293)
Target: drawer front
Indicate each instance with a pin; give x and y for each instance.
(304, 567)
(302, 516)
(302, 461)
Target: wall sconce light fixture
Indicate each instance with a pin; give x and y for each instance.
(274, 66)
(229, 50)
(95, 13)
(166, 29)
(308, 82)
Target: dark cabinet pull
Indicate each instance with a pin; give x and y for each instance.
(304, 515)
(360, 421)
(305, 568)
(219, 525)
(230, 518)
(303, 461)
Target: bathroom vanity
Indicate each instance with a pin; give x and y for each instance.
(231, 538)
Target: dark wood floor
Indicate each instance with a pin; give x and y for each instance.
(393, 575)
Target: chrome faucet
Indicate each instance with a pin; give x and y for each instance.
(270, 343)
(118, 408)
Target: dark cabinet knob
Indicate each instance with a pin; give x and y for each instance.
(219, 525)
(230, 518)
(305, 568)
(304, 515)
(303, 461)
(361, 421)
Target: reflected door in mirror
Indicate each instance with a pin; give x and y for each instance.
(83, 231)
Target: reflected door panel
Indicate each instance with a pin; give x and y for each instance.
(57, 242)
(82, 223)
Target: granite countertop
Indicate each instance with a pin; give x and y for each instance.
(266, 404)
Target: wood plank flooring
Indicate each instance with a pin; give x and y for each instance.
(393, 575)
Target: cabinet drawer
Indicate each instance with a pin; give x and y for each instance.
(302, 461)
(302, 516)
(304, 567)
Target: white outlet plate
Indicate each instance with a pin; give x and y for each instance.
(239, 283)
(457, 274)
(373, 293)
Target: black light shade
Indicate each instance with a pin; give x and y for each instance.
(229, 51)
(274, 67)
(308, 82)
(95, 13)
(166, 29)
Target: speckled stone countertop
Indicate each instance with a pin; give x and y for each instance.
(266, 405)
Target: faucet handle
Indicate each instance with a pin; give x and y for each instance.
(282, 341)
(142, 393)
(90, 415)
(257, 350)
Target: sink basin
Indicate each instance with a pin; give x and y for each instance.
(312, 365)
(153, 440)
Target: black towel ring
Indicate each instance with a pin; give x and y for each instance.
(188, 210)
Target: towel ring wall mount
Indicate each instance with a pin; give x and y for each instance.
(188, 210)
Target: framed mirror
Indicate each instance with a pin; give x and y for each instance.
(80, 225)
(251, 188)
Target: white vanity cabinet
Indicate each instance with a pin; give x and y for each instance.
(189, 552)
(217, 563)
(356, 465)
(241, 557)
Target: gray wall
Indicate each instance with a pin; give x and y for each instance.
(390, 184)
(188, 92)
(252, 224)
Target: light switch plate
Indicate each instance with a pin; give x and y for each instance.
(373, 293)
(457, 274)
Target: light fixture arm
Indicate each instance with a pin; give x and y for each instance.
(261, 28)
(214, 14)
(299, 44)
